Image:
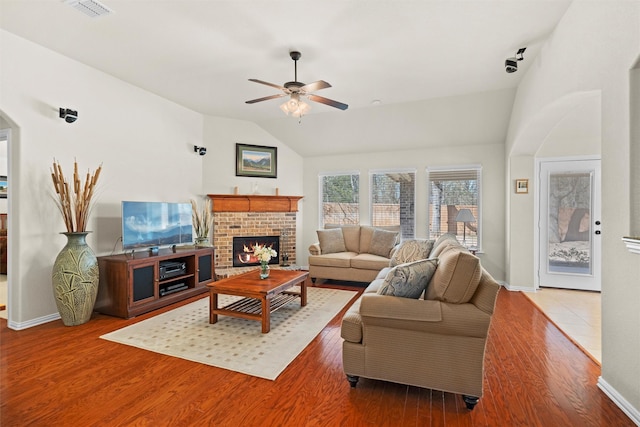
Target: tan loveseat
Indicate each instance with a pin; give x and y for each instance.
(436, 341)
(351, 252)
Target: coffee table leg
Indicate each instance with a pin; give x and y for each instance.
(266, 315)
(303, 291)
(213, 304)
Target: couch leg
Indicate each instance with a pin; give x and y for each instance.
(353, 380)
(470, 401)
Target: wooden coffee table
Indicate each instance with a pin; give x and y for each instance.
(261, 296)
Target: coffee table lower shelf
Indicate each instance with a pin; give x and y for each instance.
(254, 305)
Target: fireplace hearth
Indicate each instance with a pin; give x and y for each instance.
(243, 249)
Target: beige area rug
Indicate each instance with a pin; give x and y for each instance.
(233, 343)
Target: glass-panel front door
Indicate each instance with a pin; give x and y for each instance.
(570, 224)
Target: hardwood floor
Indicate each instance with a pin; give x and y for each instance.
(52, 375)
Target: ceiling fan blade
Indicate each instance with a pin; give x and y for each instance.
(329, 102)
(266, 98)
(268, 84)
(312, 87)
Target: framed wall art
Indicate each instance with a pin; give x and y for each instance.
(3, 187)
(522, 186)
(256, 161)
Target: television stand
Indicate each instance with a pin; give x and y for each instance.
(135, 283)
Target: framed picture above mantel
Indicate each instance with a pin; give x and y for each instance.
(256, 161)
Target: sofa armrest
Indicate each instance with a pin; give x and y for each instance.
(374, 305)
(314, 249)
(428, 316)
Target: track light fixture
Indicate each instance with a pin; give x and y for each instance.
(68, 115)
(511, 64)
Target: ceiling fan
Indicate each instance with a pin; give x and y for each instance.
(297, 90)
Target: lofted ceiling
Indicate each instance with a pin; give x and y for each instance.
(404, 54)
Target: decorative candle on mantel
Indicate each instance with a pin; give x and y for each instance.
(277, 191)
(235, 190)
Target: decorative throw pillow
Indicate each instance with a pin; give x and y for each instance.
(411, 250)
(456, 278)
(331, 241)
(408, 280)
(382, 242)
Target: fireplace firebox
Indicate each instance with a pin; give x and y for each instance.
(243, 249)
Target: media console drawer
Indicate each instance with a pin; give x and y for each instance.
(133, 284)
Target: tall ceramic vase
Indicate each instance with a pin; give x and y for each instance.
(75, 280)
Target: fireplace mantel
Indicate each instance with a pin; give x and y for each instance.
(253, 203)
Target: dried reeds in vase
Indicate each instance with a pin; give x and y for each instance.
(202, 219)
(74, 203)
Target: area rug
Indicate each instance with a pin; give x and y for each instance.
(233, 343)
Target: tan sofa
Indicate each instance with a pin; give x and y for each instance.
(351, 252)
(436, 341)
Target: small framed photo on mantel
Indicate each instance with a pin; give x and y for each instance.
(256, 161)
(522, 186)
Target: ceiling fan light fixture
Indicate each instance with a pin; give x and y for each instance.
(295, 106)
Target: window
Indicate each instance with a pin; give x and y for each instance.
(393, 200)
(454, 203)
(339, 198)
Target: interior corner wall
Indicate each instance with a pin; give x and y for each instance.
(144, 143)
(490, 156)
(219, 165)
(520, 268)
(608, 35)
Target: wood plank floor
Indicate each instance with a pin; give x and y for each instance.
(52, 375)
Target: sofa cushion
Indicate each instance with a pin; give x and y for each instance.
(351, 234)
(366, 234)
(369, 262)
(339, 259)
(443, 247)
(382, 242)
(331, 241)
(408, 280)
(411, 250)
(456, 278)
(443, 241)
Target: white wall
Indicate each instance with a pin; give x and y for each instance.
(490, 156)
(592, 49)
(141, 140)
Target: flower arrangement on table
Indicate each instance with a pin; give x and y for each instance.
(264, 254)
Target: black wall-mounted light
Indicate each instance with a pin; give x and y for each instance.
(511, 64)
(68, 115)
(200, 150)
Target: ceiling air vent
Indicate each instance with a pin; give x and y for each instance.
(90, 8)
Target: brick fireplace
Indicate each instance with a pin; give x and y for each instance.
(253, 215)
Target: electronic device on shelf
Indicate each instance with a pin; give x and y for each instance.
(170, 269)
(173, 288)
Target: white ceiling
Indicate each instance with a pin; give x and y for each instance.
(200, 53)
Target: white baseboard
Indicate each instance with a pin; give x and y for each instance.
(33, 322)
(620, 401)
(516, 288)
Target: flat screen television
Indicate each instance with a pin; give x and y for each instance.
(155, 224)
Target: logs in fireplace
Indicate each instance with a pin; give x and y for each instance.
(243, 249)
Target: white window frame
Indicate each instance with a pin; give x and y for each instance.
(453, 169)
(321, 175)
(372, 172)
